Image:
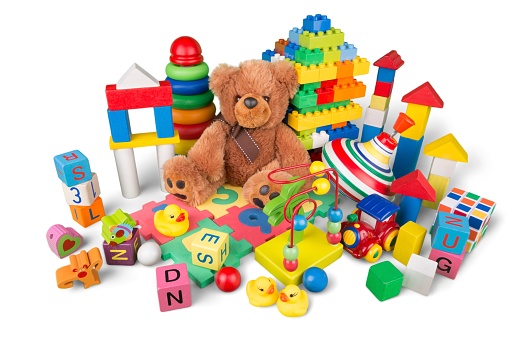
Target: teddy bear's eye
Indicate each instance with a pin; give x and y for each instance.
(237, 98)
(266, 99)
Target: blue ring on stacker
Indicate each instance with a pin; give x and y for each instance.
(189, 87)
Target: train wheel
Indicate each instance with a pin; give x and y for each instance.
(390, 240)
(374, 253)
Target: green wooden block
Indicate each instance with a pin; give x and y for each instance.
(384, 280)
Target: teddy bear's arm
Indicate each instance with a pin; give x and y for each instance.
(289, 150)
(208, 151)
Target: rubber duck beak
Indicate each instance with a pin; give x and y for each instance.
(181, 217)
(283, 297)
(271, 289)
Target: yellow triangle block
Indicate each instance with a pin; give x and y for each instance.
(446, 147)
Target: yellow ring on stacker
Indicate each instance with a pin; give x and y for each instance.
(183, 146)
(194, 116)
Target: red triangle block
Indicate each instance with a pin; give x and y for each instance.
(414, 184)
(424, 95)
(391, 60)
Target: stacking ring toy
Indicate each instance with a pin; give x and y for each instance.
(194, 116)
(187, 73)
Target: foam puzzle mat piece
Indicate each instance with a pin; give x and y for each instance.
(145, 218)
(324, 202)
(226, 196)
(251, 224)
(178, 252)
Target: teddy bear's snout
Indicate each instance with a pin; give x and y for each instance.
(250, 102)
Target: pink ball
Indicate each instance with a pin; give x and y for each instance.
(333, 239)
(228, 279)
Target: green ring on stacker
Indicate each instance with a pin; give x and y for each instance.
(187, 73)
(192, 101)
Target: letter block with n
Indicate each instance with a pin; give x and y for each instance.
(173, 287)
(450, 233)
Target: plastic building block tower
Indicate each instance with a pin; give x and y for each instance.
(327, 68)
(376, 113)
(193, 106)
(80, 186)
(138, 89)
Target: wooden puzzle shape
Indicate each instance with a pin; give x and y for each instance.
(63, 240)
(179, 251)
(226, 197)
(84, 267)
(145, 218)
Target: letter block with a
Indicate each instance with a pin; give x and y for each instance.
(210, 249)
(173, 287)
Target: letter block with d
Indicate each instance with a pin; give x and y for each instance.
(210, 249)
(173, 287)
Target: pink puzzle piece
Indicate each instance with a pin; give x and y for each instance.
(145, 218)
(250, 223)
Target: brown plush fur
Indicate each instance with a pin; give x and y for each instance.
(215, 159)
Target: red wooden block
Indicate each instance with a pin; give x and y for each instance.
(145, 218)
(88, 215)
(424, 95)
(414, 184)
(383, 89)
(250, 223)
(125, 99)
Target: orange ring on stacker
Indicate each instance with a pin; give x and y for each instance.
(194, 116)
(190, 132)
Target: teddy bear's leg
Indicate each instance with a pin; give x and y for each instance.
(184, 181)
(259, 190)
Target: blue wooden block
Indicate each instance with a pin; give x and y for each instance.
(409, 210)
(369, 132)
(386, 75)
(120, 127)
(189, 87)
(164, 122)
(316, 23)
(72, 168)
(348, 51)
(450, 233)
(407, 154)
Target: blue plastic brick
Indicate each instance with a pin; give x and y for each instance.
(323, 128)
(164, 122)
(369, 132)
(120, 127)
(189, 87)
(407, 154)
(316, 23)
(72, 168)
(290, 50)
(386, 75)
(348, 51)
(268, 54)
(293, 35)
(350, 131)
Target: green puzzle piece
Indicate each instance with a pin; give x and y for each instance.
(327, 201)
(201, 276)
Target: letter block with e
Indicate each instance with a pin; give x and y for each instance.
(450, 233)
(448, 263)
(210, 248)
(173, 287)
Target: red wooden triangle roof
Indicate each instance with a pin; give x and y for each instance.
(414, 184)
(424, 95)
(391, 60)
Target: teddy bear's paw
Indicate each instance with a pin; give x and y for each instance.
(184, 181)
(259, 190)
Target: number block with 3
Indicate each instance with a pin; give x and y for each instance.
(210, 248)
(83, 194)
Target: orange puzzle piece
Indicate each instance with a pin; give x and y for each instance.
(84, 267)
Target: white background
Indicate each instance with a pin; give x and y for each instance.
(58, 56)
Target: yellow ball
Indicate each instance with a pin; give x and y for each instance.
(321, 186)
(315, 167)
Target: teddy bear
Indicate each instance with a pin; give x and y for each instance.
(247, 139)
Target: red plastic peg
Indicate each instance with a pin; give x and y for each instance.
(403, 123)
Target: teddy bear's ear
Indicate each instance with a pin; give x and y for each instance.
(285, 73)
(220, 77)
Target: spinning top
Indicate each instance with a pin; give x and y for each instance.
(185, 51)
(363, 167)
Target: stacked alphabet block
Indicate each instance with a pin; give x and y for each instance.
(80, 186)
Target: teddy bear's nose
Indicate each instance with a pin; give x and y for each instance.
(250, 102)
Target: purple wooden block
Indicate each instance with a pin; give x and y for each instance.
(125, 253)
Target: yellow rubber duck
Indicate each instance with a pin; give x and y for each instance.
(262, 292)
(172, 221)
(292, 302)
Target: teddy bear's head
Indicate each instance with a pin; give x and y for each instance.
(255, 94)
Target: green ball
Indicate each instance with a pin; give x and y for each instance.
(290, 253)
(333, 227)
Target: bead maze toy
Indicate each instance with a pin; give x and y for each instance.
(80, 186)
(138, 89)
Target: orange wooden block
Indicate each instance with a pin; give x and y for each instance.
(88, 215)
(84, 267)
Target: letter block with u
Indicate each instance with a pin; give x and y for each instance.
(450, 233)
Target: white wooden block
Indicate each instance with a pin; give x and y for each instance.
(443, 167)
(136, 77)
(419, 274)
(375, 117)
(319, 139)
(82, 194)
(127, 172)
(164, 153)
